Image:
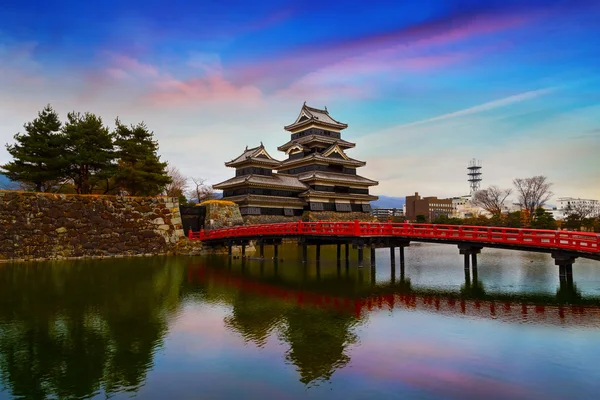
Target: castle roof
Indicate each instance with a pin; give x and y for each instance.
(309, 115)
(282, 181)
(268, 200)
(335, 177)
(327, 140)
(331, 195)
(319, 158)
(255, 155)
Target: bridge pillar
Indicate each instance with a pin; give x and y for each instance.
(372, 256)
(401, 248)
(347, 251)
(360, 256)
(467, 276)
(261, 247)
(304, 252)
(469, 251)
(243, 250)
(275, 252)
(339, 251)
(373, 274)
(318, 252)
(229, 250)
(393, 256)
(565, 262)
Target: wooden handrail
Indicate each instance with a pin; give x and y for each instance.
(588, 242)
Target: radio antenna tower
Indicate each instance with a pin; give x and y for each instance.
(474, 173)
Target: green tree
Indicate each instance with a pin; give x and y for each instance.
(38, 153)
(513, 220)
(543, 219)
(421, 219)
(139, 169)
(90, 151)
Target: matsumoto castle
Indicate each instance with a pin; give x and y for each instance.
(317, 176)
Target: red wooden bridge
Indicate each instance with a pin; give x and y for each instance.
(565, 246)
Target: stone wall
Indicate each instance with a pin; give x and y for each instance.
(269, 219)
(313, 216)
(57, 226)
(219, 215)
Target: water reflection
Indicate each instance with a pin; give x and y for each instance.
(84, 329)
(74, 329)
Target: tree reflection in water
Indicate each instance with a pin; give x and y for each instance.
(74, 329)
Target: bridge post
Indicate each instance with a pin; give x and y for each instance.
(565, 261)
(393, 256)
(360, 256)
(261, 247)
(243, 250)
(347, 251)
(318, 252)
(372, 256)
(401, 256)
(339, 251)
(467, 275)
(470, 252)
(229, 250)
(304, 252)
(276, 251)
(373, 274)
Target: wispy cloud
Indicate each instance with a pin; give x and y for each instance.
(483, 107)
(404, 42)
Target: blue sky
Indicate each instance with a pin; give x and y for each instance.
(424, 86)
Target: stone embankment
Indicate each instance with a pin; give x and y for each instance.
(42, 226)
(314, 216)
(310, 216)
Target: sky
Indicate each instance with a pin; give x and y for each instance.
(423, 86)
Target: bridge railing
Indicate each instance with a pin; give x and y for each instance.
(580, 241)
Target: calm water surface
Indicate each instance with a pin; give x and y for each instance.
(213, 328)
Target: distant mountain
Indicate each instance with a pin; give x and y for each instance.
(388, 202)
(7, 184)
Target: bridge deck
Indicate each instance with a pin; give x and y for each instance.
(584, 243)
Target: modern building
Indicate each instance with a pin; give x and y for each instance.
(317, 176)
(462, 207)
(430, 207)
(589, 206)
(386, 214)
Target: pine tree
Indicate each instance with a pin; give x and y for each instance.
(139, 170)
(543, 219)
(90, 151)
(38, 152)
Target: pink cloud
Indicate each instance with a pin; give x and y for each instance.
(170, 91)
(131, 66)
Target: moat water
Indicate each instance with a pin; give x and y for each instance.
(214, 328)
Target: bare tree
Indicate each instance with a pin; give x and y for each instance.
(491, 199)
(178, 183)
(200, 191)
(532, 192)
(580, 210)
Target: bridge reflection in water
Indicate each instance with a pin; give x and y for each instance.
(361, 295)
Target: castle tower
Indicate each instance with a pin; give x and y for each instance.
(316, 156)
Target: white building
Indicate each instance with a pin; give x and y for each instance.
(563, 203)
(463, 208)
